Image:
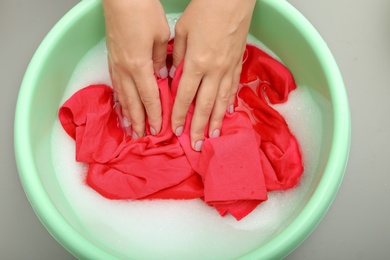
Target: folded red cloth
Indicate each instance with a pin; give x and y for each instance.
(255, 153)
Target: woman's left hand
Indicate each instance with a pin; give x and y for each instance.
(210, 36)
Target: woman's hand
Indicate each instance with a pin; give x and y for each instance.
(210, 36)
(137, 35)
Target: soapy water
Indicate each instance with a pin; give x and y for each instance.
(181, 229)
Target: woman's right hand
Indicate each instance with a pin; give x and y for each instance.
(137, 34)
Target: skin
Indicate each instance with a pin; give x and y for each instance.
(210, 36)
(137, 35)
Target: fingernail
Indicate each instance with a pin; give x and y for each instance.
(125, 122)
(172, 71)
(153, 131)
(216, 133)
(128, 131)
(126, 125)
(231, 109)
(198, 145)
(179, 131)
(134, 135)
(163, 72)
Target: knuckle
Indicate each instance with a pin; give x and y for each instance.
(232, 96)
(221, 63)
(235, 84)
(185, 98)
(163, 36)
(217, 119)
(224, 95)
(159, 60)
(149, 100)
(131, 105)
(137, 64)
(179, 114)
(138, 124)
(205, 107)
(129, 102)
(177, 119)
(130, 64)
(215, 123)
(201, 63)
(207, 62)
(197, 132)
(179, 28)
(176, 56)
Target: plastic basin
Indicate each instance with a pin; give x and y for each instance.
(276, 23)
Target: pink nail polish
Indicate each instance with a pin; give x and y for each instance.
(172, 71)
(231, 109)
(125, 122)
(216, 133)
(179, 131)
(134, 135)
(163, 73)
(153, 131)
(198, 145)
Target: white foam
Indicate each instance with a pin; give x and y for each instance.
(172, 18)
(92, 69)
(179, 229)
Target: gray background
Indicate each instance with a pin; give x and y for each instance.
(357, 224)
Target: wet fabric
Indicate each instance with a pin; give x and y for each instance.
(255, 153)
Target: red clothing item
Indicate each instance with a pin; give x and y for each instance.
(255, 153)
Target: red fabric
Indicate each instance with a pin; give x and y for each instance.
(255, 153)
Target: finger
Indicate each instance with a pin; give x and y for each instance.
(234, 88)
(111, 70)
(186, 92)
(149, 95)
(124, 120)
(205, 101)
(160, 55)
(220, 105)
(132, 107)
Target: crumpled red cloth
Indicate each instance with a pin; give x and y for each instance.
(255, 153)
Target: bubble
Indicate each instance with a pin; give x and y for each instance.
(172, 20)
(179, 228)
